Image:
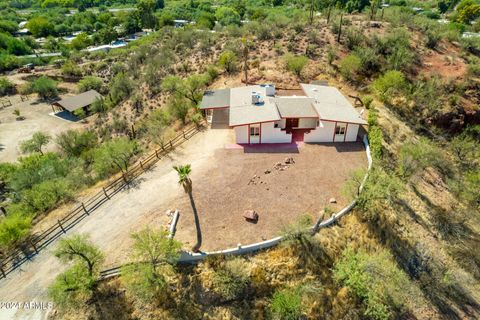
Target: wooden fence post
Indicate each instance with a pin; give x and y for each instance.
(3, 271)
(171, 145)
(105, 192)
(34, 247)
(184, 136)
(141, 165)
(156, 154)
(85, 209)
(61, 227)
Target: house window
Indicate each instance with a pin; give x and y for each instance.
(340, 129)
(254, 131)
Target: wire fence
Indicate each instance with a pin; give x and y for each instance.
(37, 242)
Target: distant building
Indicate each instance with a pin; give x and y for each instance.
(257, 115)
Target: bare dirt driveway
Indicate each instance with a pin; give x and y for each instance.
(221, 190)
(37, 118)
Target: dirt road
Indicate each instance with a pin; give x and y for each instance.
(109, 227)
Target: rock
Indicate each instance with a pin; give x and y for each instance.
(332, 200)
(267, 171)
(289, 160)
(168, 213)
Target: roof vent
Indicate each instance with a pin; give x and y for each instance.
(256, 98)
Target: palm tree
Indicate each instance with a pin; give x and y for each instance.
(184, 179)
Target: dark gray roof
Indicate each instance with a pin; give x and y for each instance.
(331, 104)
(293, 107)
(79, 101)
(215, 99)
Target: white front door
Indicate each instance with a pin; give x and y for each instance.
(254, 133)
(340, 130)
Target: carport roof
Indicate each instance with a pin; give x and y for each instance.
(215, 99)
(331, 104)
(296, 107)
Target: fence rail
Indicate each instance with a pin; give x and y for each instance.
(35, 244)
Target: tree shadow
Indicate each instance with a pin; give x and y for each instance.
(450, 298)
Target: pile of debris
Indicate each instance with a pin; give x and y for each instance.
(279, 166)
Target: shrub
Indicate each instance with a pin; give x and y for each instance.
(114, 156)
(75, 142)
(349, 66)
(13, 229)
(228, 61)
(375, 138)
(90, 83)
(231, 280)
(71, 69)
(6, 87)
(287, 304)
(391, 83)
(295, 64)
(45, 87)
(414, 157)
(359, 272)
(46, 195)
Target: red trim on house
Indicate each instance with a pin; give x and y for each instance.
(360, 124)
(345, 134)
(247, 124)
(300, 117)
(334, 129)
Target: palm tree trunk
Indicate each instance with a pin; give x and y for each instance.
(198, 244)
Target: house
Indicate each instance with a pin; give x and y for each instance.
(258, 115)
(80, 101)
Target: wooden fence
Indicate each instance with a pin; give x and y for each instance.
(37, 242)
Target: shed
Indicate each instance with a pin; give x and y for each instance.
(80, 101)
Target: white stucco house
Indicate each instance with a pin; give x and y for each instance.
(258, 115)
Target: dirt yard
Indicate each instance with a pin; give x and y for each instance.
(37, 118)
(236, 181)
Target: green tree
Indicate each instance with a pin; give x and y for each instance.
(227, 16)
(154, 254)
(36, 143)
(146, 10)
(228, 61)
(156, 125)
(78, 284)
(75, 142)
(114, 156)
(295, 64)
(40, 27)
(184, 180)
(81, 41)
(190, 88)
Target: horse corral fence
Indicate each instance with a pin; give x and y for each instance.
(189, 257)
(37, 242)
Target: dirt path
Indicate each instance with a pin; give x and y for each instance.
(109, 227)
(37, 118)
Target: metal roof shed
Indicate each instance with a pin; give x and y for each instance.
(79, 101)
